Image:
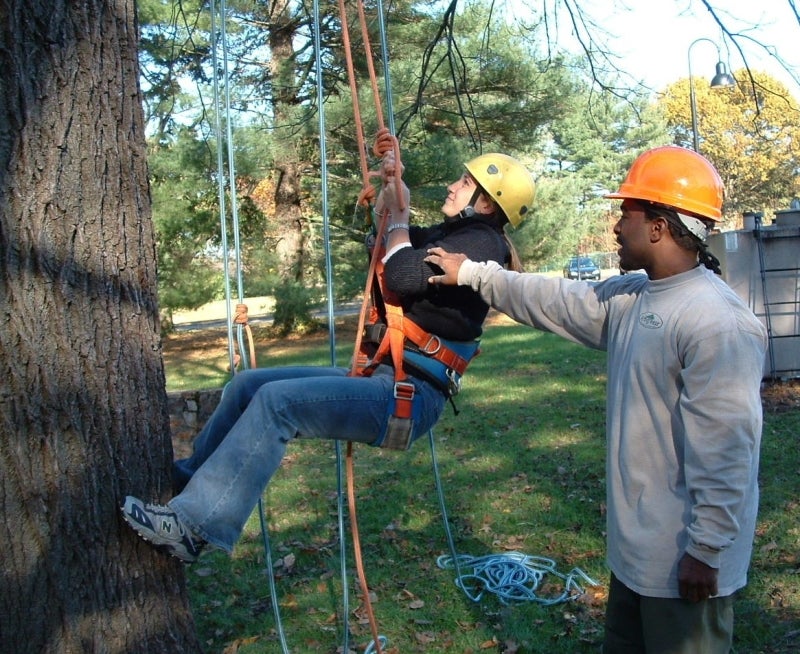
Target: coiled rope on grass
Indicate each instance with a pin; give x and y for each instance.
(513, 577)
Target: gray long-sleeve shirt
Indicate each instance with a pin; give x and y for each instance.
(683, 421)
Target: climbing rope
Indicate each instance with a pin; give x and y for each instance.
(239, 320)
(513, 577)
(331, 322)
(378, 641)
(222, 108)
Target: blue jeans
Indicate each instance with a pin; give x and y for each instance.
(261, 410)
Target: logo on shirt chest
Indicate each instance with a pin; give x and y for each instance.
(650, 320)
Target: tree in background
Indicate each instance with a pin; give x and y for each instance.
(589, 147)
(185, 208)
(751, 133)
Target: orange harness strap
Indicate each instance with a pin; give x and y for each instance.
(392, 343)
(432, 346)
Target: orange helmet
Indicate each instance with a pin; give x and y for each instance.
(677, 177)
(507, 182)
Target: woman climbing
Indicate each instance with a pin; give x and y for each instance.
(261, 410)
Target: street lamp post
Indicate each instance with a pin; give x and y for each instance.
(721, 79)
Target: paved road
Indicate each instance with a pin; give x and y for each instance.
(346, 309)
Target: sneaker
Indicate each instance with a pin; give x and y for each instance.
(160, 526)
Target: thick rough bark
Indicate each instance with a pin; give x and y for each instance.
(83, 410)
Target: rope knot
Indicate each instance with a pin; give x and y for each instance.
(385, 141)
(240, 318)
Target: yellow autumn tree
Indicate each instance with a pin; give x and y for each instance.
(750, 132)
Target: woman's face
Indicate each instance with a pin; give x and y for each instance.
(459, 193)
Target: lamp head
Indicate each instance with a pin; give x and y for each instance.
(723, 77)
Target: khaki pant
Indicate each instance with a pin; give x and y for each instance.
(650, 625)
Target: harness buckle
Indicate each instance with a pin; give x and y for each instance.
(404, 390)
(433, 345)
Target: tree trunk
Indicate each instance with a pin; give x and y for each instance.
(83, 408)
(289, 138)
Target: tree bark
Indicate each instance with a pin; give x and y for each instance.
(83, 407)
(289, 139)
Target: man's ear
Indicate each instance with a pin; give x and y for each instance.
(658, 229)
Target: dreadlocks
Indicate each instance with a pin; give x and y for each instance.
(682, 236)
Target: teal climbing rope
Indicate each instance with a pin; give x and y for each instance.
(513, 577)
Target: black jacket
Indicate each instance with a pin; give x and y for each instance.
(452, 312)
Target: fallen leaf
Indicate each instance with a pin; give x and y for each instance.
(234, 646)
(769, 547)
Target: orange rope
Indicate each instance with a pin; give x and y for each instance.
(366, 302)
(354, 93)
(240, 318)
(366, 194)
(362, 150)
(351, 504)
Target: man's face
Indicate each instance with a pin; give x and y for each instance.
(632, 232)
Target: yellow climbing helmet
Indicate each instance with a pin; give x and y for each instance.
(507, 182)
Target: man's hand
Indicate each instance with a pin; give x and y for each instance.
(449, 264)
(696, 580)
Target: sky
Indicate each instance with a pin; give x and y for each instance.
(653, 37)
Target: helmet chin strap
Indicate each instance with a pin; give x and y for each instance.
(469, 210)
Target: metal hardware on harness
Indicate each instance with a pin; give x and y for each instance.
(404, 391)
(453, 383)
(436, 341)
(401, 423)
(404, 395)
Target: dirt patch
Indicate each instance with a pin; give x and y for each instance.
(781, 396)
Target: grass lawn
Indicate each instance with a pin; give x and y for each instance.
(522, 471)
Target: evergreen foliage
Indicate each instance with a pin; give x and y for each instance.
(463, 82)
